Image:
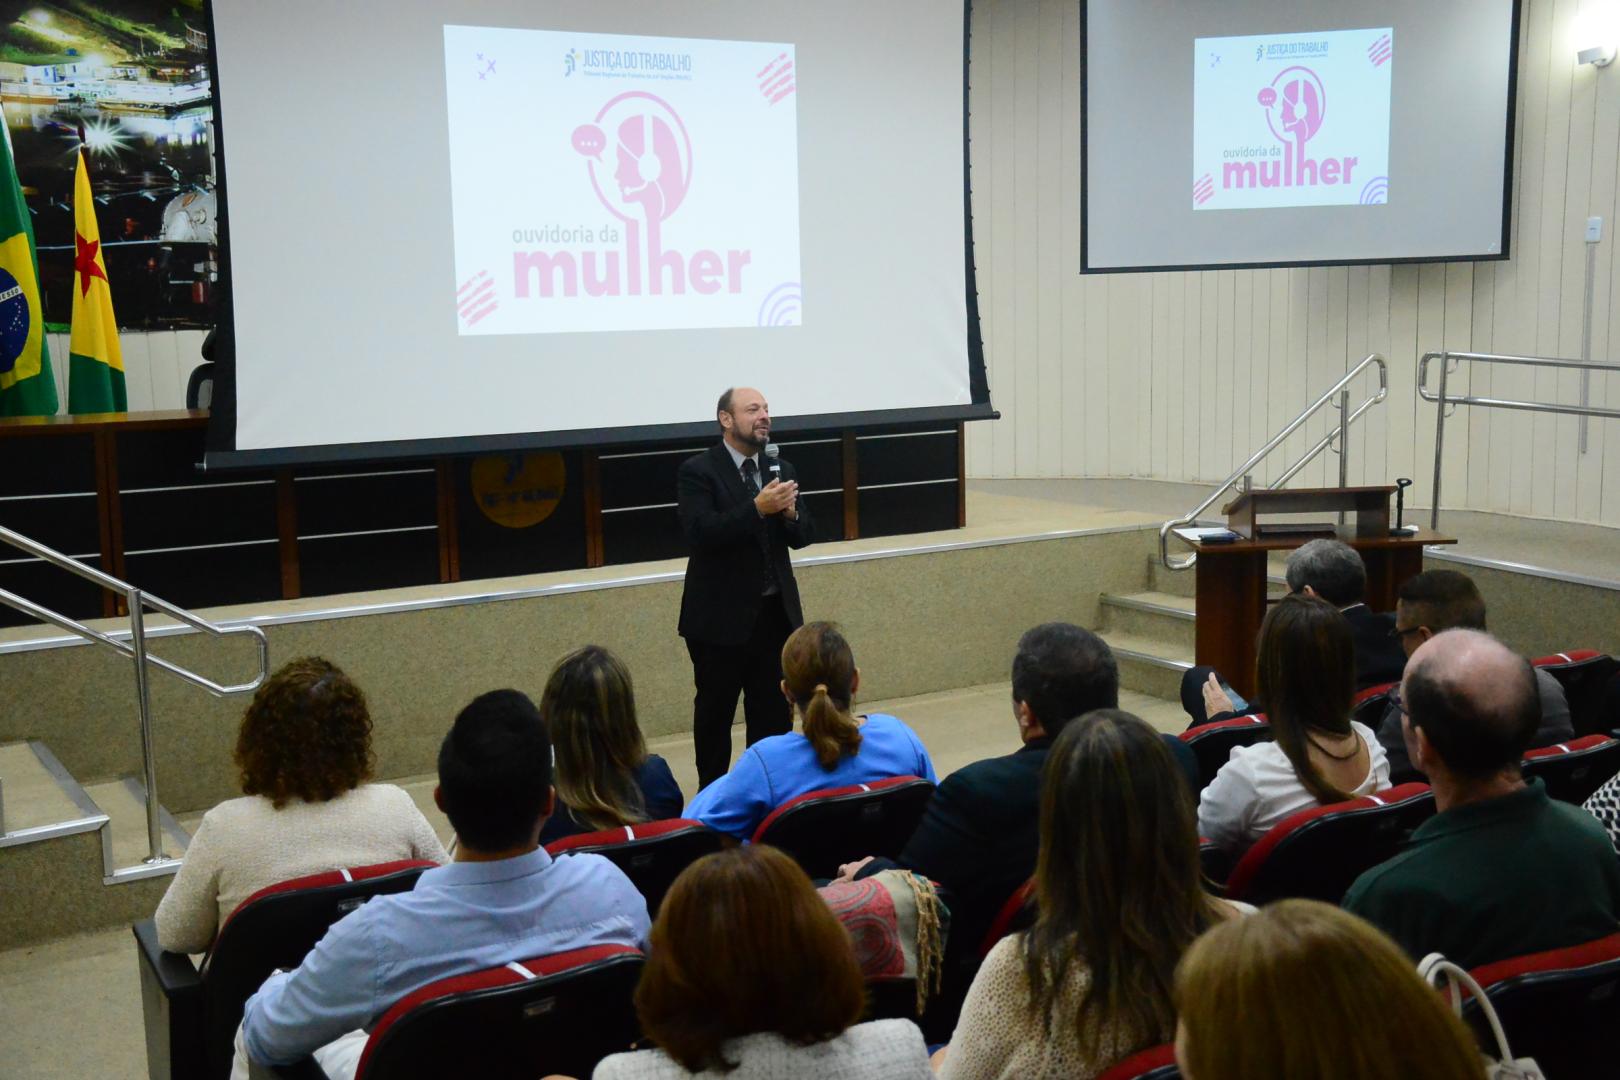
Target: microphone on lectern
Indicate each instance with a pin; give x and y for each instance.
(772, 453)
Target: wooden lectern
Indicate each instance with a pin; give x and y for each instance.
(1231, 577)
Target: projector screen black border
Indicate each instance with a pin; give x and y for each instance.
(1505, 243)
(220, 451)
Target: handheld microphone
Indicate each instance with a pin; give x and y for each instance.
(772, 453)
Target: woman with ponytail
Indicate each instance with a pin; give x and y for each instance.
(1305, 675)
(832, 747)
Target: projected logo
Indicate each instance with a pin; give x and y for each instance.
(601, 200)
(1315, 148)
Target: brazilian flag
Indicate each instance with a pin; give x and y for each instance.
(27, 387)
(95, 359)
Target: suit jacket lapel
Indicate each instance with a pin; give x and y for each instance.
(729, 474)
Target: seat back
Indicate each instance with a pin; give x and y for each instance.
(651, 854)
(1589, 679)
(1154, 1063)
(1018, 913)
(1573, 770)
(1368, 706)
(276, 927)
(1213, 743)
(822, 829)
(1319, 852)
(554, 1014)
(1560, 1007)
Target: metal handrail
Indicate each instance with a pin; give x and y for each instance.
(137, 602)
(1338, 434)
(1440, 398)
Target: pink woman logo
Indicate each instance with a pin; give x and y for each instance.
(1295, 104)
(651, 157)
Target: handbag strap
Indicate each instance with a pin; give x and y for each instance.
(1435, 968)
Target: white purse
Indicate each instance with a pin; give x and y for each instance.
(1437, 971)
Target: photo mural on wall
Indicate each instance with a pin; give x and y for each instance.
(134, 75)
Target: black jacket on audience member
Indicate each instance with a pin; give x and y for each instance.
(1379, 657)
(980, 834)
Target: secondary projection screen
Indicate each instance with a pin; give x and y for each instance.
(1223, 133)
(457, 226)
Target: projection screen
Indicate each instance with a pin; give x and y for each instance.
(455, 227)
(1226, 133)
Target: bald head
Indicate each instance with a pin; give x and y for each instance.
(744, 418)
(1474, 699)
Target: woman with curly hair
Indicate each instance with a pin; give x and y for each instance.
(304, 752)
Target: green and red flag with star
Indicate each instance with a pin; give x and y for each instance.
(95, 360)
(27, 386)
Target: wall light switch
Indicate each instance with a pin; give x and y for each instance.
(1594, 229)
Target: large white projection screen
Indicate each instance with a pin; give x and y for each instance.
(1279, 132)
(458, 221)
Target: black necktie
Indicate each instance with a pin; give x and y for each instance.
(750, 475)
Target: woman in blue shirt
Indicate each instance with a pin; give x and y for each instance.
(602, 772)
(832, 748)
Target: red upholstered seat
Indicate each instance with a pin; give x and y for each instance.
(1573, 770)
(1561, 1007)
(1154, 1063)
(1591, 682)
(553, 1014)
(822, 829)
(192, 1015)
(1015, 915)
(652, 854)
(1367, 706)
(1319, 852)
(1213, 743)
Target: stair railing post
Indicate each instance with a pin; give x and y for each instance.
(1439, 441)
(1344, 445)
(143, 699)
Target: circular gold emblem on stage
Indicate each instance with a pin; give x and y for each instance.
(519, 490)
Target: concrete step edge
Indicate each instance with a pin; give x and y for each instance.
(1141, 602)
(89, 817)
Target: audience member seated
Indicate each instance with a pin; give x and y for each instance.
(833, 747)
(1304, 990)
(1333, 571)
(1438, 600)
(304, 753)
(1305, 672)
(980, 831)
(750, 975)
(1500, 870)
(503, 899)
(1120, 896)
(1604, 804)
(603, 774)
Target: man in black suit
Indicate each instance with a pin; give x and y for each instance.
(1333, 571)
(980, 832)
(740, 601)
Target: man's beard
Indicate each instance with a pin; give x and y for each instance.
(749, 438)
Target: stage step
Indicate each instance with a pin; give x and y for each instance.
(71, 854)
(1149, 665)
(1156, 615)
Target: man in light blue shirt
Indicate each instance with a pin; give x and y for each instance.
(502, 899)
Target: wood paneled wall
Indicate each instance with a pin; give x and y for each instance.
(1179, 376)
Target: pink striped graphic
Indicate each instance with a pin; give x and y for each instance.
(1380, 51)
(776, 79)
(1203, 189)
(476, 299)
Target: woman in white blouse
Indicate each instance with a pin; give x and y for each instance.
(1305, 677)
(304, 752)
(1121, 897)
